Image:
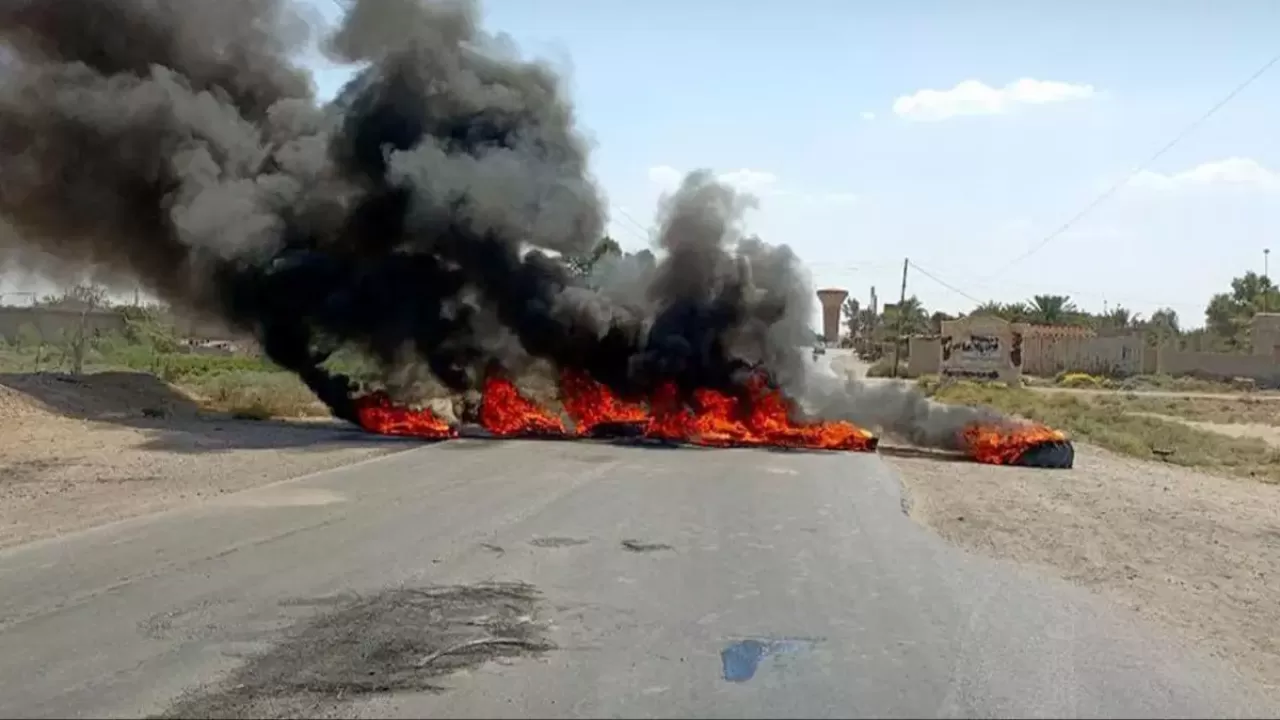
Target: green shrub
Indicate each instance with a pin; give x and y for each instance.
(884, 368)
(1078, 380)
(929, 384)
(28, 337)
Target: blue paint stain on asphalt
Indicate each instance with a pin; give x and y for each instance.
(741, 659)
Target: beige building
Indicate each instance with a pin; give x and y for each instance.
(1046, 351)
(979, 348)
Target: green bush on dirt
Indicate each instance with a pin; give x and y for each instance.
(884, 368)
(1079, 380)
(929, 384)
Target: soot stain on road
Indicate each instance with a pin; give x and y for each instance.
(403, 639)
(556, 542)
(638, 546)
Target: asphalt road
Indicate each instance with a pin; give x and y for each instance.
(671, 583)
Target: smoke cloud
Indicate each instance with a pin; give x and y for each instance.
(420, 217)
(898, 408)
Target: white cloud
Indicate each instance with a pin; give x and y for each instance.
(744, 179)
(747, 180)
(1232, 172)
(972, 97)
(760, 183)
(665, 176)
(867, 115)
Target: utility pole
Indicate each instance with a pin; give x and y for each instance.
(1266, 276)
(897, 340)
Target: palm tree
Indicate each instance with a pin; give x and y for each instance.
(852, 317)
(1052, 309)
(1121, 318)
(1012, 312)
(936, 320)
(990, 307)
(912, 315)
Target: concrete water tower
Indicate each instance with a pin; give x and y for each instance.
(832, 300)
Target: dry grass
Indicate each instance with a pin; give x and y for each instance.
(262, 395)
(1182, 384)
(1138, 383)
(1244, 409)
(1106, 420)
(255, 395)
(252, 388)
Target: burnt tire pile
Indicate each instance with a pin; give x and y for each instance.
(634, 432)
(617, 430)
(1053, 455)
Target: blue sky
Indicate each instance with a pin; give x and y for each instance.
(818, 106)
(956, 133)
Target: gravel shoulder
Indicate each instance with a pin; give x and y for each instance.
(81, 452)
(1196, 552)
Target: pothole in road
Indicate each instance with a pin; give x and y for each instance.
(396, 640)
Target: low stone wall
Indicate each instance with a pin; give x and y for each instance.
(1262, 369)
(1047, 356)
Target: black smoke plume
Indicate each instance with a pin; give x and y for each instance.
(176, 142)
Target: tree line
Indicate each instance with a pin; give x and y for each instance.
(1227, 316)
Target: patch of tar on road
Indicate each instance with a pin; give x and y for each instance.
(637, 546)
(402, 639)
(740, 659)
(556, 542)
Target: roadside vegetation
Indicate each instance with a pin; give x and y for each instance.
(1125, 423)
(241, 383)
(1205, 400)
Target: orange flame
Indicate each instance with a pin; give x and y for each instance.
(761, 417)
(590, 403)
(504, 411)
(1004, 444)
(764, 418)
(376, 413)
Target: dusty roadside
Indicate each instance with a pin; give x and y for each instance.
(75, 453)
(1194, 551)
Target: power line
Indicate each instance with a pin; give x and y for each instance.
(645, 233)
(1127, 178)
(944, 283)
(626, 232)
(1070, 293)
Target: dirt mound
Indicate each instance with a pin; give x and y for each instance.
(99, 396)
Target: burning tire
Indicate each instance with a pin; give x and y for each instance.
(1056, 454)
(617, 430)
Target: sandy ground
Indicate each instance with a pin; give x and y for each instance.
(79, 452)
(1197, 552)
(1267, 433)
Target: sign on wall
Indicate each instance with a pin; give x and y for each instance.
(981, 348)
